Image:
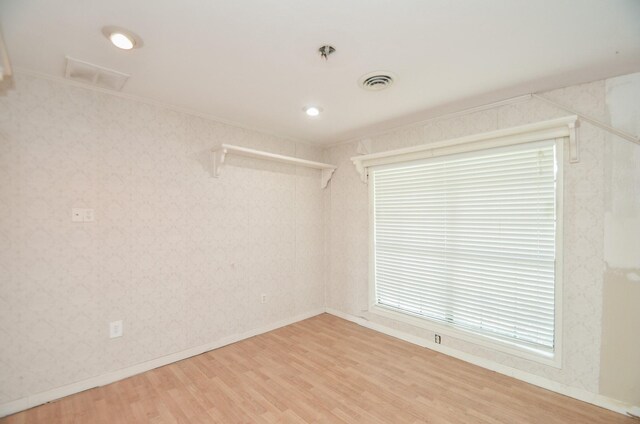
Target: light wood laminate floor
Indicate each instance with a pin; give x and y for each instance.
(324, 370)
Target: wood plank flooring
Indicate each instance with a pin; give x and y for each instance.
(321, 370)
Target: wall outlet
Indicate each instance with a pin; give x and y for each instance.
(263, 298)
(438, 339)
(115, 329)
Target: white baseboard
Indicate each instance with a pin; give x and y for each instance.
(576, 393)
(110, 377)
(104, 379)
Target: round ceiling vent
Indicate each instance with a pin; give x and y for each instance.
(375, 81)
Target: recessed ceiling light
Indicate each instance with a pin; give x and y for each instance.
(312, 111)
(121, 41)
(122, 38)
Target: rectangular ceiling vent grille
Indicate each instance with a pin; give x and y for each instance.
(88, 73)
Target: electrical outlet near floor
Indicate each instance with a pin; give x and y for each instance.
(263, 298)
(438, 339)
(115, 329)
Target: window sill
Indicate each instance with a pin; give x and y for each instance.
(500, 345)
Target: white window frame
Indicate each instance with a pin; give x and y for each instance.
(386, 159)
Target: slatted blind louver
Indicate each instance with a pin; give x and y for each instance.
(469, 240)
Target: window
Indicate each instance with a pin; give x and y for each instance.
(469, 241)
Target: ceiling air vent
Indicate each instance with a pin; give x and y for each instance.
(88, 73)
(375, 81)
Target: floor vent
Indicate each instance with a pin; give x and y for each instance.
(88, 73)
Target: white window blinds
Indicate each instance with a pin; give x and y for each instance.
(469, 240)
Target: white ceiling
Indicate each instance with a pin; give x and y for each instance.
(255, 62)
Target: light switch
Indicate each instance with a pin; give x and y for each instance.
(89, 215)
(82, 215)
(77, 215)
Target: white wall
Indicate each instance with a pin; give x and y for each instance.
(620, 369)
(584, 230)
(180, 256)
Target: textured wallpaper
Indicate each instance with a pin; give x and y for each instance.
(347, 235)
(181, 257)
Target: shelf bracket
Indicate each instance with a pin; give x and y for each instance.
(364, 172)
(574, 156)
(326, 176)
(363, 148)
(217, 159)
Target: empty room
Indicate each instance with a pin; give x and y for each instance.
(355, 211)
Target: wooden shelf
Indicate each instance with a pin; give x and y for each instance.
(221, 152)
(564, 128)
